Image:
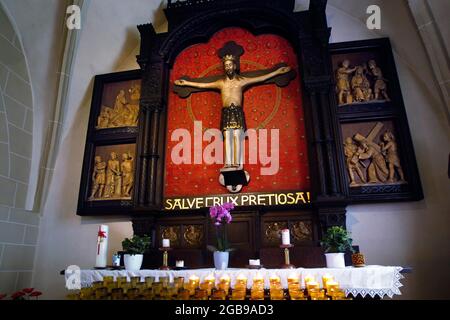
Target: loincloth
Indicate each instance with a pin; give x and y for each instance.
(233, 118)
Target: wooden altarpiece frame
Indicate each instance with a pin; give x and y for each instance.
(192, 22)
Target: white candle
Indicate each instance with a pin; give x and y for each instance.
(166, 243)
(285, 237)
(254, 262)
(102, 247)
(179, 263)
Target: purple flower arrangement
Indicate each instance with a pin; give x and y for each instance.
(221, 216)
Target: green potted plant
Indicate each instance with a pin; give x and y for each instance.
(134, 249)
(336, 242)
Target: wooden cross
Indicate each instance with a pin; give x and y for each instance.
(371, 136)
(232, 48)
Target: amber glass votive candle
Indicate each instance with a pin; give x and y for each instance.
(275, 281)
(121, 280)
(194, 281)
(325, 278)
(178, 282)
(331, 285)
(276, 294)
(149, 281)
(164, 281)
(107, 280)
(219, 295)
(210, 280)
(257, 293)
(117, 294)
(86, 293)
(312, 285)
(224, 283)
(296, 294)
(309, 278)
(134, 281)
(293, 279)
(241, 282)
(183, 294)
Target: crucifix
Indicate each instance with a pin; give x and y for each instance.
(231, 86)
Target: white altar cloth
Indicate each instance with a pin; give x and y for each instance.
(369, 280)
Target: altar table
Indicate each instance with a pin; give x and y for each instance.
(370, 280)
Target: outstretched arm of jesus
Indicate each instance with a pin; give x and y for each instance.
(200, 85)
(253, 80)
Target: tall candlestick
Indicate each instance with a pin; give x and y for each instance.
(102, 246)
(285, 237)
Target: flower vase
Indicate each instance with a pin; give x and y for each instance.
(221, 259)
(335, 260)
(133, 262)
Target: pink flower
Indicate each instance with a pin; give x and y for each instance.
(228, 206)
(213, 211)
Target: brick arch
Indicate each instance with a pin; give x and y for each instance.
(16, 117)
(18, 228)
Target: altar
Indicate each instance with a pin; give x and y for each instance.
(371, 281)
(246, 131)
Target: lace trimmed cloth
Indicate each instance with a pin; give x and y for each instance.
(373, 280)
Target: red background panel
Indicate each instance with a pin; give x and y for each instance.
(261, 111)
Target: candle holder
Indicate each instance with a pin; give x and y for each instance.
(165, 265)
(287, 264)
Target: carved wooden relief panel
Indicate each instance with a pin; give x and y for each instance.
(193, 235)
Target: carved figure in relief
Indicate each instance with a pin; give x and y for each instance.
(301, 231)
(389, 147)
(170, 233)
(380, 87)
(103, 118)
(361, 86)
(377, 170)
(231, 86)
(113, 178)
(98, 178)
(343, 83)
(127, 174)
(132, 108)
(352, 161)
(124, 113)
(193, 235)
(273, 231)
(118, 112)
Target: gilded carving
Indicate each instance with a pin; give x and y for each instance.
(232, 85)
(374, 163)
(302, 230)
(272, 231)
(113, 180)
(360, 84)
(125, 111)
(343, 84)
(171, 233)
(389, 149)
(98, 178)
(193, 235)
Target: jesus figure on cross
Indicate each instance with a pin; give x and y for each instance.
(231, 87)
